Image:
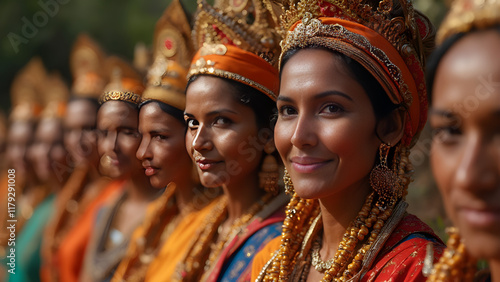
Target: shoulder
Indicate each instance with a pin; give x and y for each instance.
(402, 257)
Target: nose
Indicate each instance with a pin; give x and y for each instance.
(109, 142)
(304, 134)
(202, 139)
(478, 168)
(144, 152)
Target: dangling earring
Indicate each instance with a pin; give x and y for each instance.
(289, 189)
(268, 176)
(382, 179)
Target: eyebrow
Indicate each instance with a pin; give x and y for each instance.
(320, 95)
(443, 113)
(212, 113)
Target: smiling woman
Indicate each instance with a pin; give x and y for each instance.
(351, 105)
(230, 98)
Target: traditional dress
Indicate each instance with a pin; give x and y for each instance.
(29, 242)
(237, 41)
(67, 261)
(387, 39)
(401, 258)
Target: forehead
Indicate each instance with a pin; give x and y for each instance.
(151, 115)
(312, 71)
(116, 113)
(207, 93)
(469, 70)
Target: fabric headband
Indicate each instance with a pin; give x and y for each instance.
(233, 63)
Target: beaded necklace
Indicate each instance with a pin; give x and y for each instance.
(204, 252)
(455, 264)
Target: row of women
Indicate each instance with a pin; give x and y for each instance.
(182, 181)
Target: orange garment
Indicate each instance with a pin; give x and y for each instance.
(73, 200)
(162, 268)
(68, 260)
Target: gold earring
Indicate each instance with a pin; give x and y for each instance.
(268, 176)
(382, 179)
(289, 189)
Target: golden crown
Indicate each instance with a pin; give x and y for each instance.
(406, 29)
(173, 51)
(248, 24)
(466, 15)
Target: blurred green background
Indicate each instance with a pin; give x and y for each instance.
(118, 26)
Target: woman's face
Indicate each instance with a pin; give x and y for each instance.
(222, 138)
(163, 148)
(118, 139)
(48, 153)
(18, 141)
(80, 137)
(325, 131)
(465, 155)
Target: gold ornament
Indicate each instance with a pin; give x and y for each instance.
(268, 176)
(383, 180)
(455, 264)
(289, 189)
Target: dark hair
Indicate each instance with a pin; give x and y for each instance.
(263, 107)
(382, 105)
(438, 55)
(173, 111)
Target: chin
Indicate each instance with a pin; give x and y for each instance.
(308, 189)
(482, 245)
(210, 180)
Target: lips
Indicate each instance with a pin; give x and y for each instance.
(306, 164)
(481, 218)
(206, 164)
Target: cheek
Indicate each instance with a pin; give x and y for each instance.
(282, 137)
(129, 146)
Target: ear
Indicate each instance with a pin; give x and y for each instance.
(390, 129)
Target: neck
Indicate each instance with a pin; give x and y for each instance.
(338, 211)
(495, 270)
(139, 189)
(241, 196)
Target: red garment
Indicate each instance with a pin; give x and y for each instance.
(402, 259)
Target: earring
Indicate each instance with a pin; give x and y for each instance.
(268, 176)
(382, 179)
(289, 189)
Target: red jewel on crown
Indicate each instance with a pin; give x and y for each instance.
(169, 44)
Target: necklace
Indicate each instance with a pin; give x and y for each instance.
(317, 262)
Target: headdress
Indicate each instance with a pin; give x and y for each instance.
(172, 51)
(86, 63)
(55, 95)
(124, 82)
(391, 47)
(466, 15)
(25, 91)
(237, 40)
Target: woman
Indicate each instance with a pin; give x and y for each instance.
(229, 104)
(465, 154)
(48, 156)
(118, 141)
(68, 233)
(161, 241)
(351, 104)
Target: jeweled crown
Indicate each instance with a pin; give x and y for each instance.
(248, 24)
(466, 15)
(405, 28)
